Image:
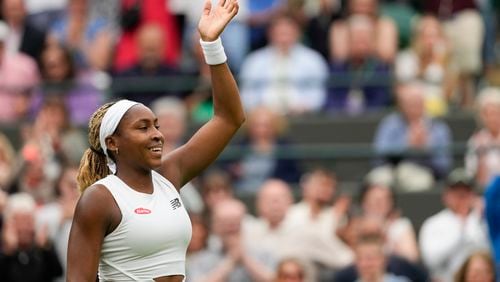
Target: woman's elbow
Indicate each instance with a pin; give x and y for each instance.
(240, 120)
(236, 118)
(236, 122)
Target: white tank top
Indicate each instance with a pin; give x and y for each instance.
(152, 237)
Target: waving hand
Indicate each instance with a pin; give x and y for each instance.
(214, 19)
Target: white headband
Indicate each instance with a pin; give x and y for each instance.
(109, 124)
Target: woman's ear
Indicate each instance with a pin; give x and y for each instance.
(111, 143)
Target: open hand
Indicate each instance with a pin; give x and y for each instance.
(214, 19)
(341, 206)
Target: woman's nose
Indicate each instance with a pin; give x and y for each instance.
(157, 135)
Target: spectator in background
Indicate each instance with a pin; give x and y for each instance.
(47, 143)
(33, 178)
(360, 80)
(478, 267)
(428, 62)
(261, 15)
(199, 237)
(411, 142)
(199, 241)
(359, 228)
(459, 18)
(18, 76)
(229, 258)
(58, 215)
(89, 39)
(62, 81)
(371, 263)
(216, 187)
(145, 80)
(386, 34)
(492, 215)
(377, 202)
(482, 159)
(136, 14)
(172, 119)
(450, 236)
(23, 36)
(27, 254)
(267, 231)
(314, 221)
(293, 269)
(285, 75)
(263, 156)
(8, 162)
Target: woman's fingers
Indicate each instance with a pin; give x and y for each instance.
(207, 7)
(230, 5)
(235, 8)
(222, 3)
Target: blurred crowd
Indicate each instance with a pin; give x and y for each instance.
(413, 61)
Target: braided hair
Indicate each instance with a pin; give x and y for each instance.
(93, 165)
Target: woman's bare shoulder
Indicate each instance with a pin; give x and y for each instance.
(95, 202)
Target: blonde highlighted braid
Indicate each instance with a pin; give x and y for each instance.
(93, 165)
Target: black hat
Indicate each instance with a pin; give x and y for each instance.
(460, 178)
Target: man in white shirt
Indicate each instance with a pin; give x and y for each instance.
(227, 257)
(286, 76)
(267, 231)
(448, 237)
(313, 222)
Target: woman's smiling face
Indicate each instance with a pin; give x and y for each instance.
(138, 139)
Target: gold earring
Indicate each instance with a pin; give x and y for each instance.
(116, 151)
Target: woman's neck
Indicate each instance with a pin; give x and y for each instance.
(141, 181)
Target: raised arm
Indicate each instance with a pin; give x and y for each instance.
(186, 162)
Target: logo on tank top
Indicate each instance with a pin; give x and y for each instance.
(176, 203)
(142, 211)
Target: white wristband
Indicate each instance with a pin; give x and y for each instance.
(213, 52)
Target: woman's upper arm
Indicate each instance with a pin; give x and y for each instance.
(201, 150)
(181, 165)
(91, 220)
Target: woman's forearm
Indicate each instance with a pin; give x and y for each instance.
(226, 97)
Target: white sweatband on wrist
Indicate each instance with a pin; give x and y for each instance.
(213, 51)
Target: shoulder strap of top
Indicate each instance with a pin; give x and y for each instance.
(114, 186)
(160, 178)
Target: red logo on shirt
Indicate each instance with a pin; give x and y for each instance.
(142, 211)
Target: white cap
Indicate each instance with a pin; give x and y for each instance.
(4, 31)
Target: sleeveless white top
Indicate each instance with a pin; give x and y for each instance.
(152, 237)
